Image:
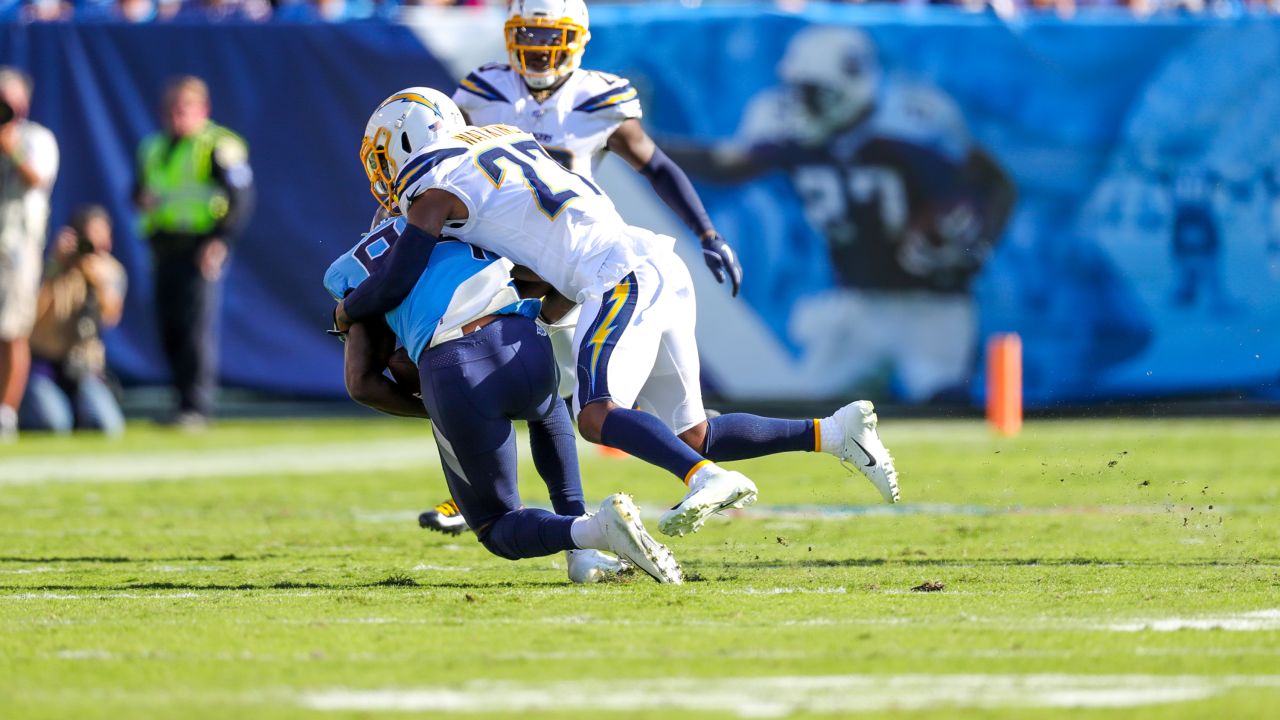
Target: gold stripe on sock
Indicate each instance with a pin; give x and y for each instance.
(817, 435)
(694, 470)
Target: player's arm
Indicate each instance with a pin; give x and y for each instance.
(631, 143)
(368, 351)
(392, 281)
(554, 305)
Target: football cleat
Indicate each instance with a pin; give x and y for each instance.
(620, 522)
(445, 518)
(862, 447)
(593, 566)
(711, 489)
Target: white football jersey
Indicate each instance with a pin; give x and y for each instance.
(526, 207)
(574, 124)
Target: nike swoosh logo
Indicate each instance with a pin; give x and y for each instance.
(864, 452)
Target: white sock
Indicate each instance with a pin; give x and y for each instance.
(830, 435)
(588, 534)
(8, 416)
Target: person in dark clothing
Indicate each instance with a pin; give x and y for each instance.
(195, 190)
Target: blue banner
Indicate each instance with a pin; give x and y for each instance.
(300, 95)
(837, 149)
(900, 184)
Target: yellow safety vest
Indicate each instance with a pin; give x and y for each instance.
(190, 201)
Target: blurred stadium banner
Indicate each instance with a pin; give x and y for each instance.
(863, 161)
(300, 95)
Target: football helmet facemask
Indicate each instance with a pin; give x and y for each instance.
(545, 39)
(403, 123)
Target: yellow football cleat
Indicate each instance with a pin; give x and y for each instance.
(445, 518)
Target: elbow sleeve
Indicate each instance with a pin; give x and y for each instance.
(676, 190)
(393, 279)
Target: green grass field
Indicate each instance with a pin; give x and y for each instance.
(1112, 568)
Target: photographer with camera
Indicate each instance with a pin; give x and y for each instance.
(28, 166)
(82, 295)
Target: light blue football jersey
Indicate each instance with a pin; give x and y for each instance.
(461, 283)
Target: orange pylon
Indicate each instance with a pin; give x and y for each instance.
(1004, 383)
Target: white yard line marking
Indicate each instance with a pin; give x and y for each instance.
(220, 463)
(792, 517)
(1261, 620)
(423, 567)
(780, 696)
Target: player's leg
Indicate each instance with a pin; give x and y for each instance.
(468, 387)
(553, 443)
(550, 443)
(850, 433)
(674, 392)
(472, 388)
(616, 352)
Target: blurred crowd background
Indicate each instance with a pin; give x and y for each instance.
(145, 11)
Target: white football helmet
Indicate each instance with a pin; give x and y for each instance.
(833, 72)
(545, 39)
(402, 124)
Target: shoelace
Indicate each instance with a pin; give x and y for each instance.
(448, 508)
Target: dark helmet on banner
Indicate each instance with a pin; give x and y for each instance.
(834, 72)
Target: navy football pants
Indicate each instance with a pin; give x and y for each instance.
(473, 388)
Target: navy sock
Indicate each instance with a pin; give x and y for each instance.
(644, 436)
(528, 533)
(738, 436)
(554, 445)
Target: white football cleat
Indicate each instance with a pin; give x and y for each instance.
(862, 447)
(711, 489)
(619, 518)
(593, 566)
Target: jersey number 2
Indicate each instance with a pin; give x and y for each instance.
(529, 154)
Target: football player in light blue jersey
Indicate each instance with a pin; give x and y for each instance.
(497, 188)
(483, 363)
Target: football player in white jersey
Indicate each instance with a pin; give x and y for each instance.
(577, 116)
(496, 188)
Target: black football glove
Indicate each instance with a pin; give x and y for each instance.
(721, 260)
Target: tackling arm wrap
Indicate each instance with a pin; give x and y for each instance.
(388, 285)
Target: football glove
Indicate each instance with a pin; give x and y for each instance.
(334, 331)
(721, 260)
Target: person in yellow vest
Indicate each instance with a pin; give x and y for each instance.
(195, 190)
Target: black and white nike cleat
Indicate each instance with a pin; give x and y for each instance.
(862, 448)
